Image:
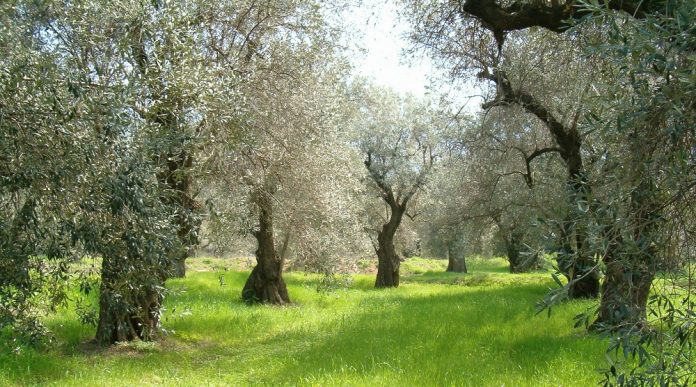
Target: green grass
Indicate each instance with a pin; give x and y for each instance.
(435, 329)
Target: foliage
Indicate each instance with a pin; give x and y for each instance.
(45, 146)
(652, 110)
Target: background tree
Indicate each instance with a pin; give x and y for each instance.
(398, 138)
(287, 148)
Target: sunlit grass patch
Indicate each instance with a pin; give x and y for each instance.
(432, 330)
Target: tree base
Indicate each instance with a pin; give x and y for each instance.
(388, 273)
(178, 268)
(457, 266)
(119, 322)
(260, 288)
(586, 287)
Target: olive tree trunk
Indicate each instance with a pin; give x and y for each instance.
(456, 262)
(389, 261)
(631, 262)
(265, 283)
(126, 313)
(512, 250)
(625, 292)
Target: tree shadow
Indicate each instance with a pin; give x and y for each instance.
(432, 339)
(414, 335)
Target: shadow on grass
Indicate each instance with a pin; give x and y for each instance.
(483, 337)
(417, 334)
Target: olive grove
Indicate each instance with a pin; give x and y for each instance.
(130, 131)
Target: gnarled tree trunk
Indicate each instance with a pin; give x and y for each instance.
(625, 292)
(629, 275)
(388, 261)
(265, 283)
(126, 314)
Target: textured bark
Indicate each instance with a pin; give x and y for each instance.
(631, 267)
(625, 292)
(388, 261)
(265, 283)
(553, 16)
(456, 262)
(129, 315)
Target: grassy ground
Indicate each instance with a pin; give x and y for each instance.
(436, 329)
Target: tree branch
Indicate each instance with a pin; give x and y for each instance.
(553, 16)
(528, 161)
(566, 138)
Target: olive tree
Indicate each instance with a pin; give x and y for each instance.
(44, 148)
(280, 164)
(398, 138)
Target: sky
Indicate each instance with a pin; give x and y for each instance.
(382, 36)
(383, 42)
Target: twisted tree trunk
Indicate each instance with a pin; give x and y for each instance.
(388, 261)
(265, 283)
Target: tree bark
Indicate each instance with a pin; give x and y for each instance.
(129, 315)
(625, 292)
(629, 275)
(179, 266)
(553, 16)
(512, 249)
(265, 283)
(388, 261)
(456, 262)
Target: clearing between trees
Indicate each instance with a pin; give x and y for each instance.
(437, 328)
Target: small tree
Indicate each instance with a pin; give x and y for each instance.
(398, 140)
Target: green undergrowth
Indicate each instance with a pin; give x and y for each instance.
(437, 328)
